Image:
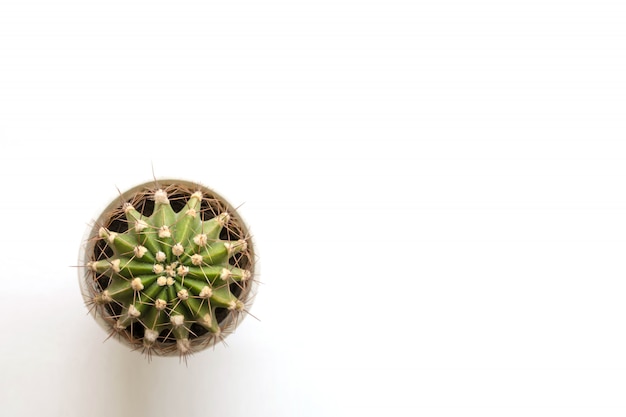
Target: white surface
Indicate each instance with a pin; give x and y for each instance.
(436, 189)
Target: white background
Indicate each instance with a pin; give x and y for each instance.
(436, 189)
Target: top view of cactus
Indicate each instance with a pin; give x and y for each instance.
(169, 268)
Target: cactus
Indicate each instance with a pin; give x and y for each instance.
(169, 269)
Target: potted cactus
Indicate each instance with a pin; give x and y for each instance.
(168, 268)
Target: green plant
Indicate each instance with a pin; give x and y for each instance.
(169, 268)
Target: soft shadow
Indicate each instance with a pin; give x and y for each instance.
(113, 380)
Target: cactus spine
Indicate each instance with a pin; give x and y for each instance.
(175, 279)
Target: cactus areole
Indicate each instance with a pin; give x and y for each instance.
(168, 268)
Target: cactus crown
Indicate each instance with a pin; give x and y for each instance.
(170, 270)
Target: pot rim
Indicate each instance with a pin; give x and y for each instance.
(228, 324)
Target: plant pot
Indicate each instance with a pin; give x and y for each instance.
(168, 268)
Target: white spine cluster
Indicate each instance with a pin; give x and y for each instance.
(140, 225)
(225, 274)
(160, 256)
(246, 275)
(183, 345)
(235, 305)
(206, 292)
(140, 251)
(157, 268)
(161, 281)
(201, 239)
(136, 284)
(103, 298)
(170, 270)
(112, 237)
(196, 259)
(149, 337)
(115, 264)
(177, 320)
(239, 246)
(205, 320)
(133, 312)
(183, 294)
(178, 249)
(160, 304)
(223, 219)
(164, 232)
(182, 270)
(104, 233)
(229, 247)
(160, 196)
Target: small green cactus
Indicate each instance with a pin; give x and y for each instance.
(169, 269)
